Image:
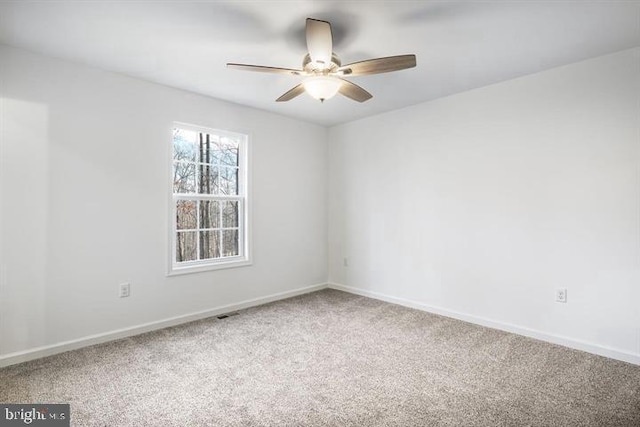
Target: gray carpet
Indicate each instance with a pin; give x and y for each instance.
(331, 359)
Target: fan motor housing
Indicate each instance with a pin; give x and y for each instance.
(312, 68)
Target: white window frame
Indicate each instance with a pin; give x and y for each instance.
(244, 243)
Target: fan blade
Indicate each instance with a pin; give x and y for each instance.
(291, 93)
(262, 69)
(353, 91)
(378, 65)
(319, 41)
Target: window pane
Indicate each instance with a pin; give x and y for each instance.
(229, 181)
(207, 148)
(230, 214)
(209, 244)
(228, 152)
(215, 151)
(209, 180)
(209, 214)
(184, 145)
(230, 242)
(186, 246)
(186, 214)
(184, 177)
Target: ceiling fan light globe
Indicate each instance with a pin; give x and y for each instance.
(322, 87)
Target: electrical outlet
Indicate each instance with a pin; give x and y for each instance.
(125, 290)
(561, 295)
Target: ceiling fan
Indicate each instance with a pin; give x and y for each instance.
(323, 71)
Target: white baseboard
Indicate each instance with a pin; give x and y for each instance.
(508, 327)
(38, 352)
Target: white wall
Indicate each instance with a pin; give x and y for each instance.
(84, 173)
(483, 203)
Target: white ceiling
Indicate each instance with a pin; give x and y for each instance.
(459, 45)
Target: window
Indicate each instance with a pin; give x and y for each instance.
(209, 200)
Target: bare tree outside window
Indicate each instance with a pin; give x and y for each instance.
(206, 189)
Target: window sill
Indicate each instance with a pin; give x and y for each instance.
(200, 268)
